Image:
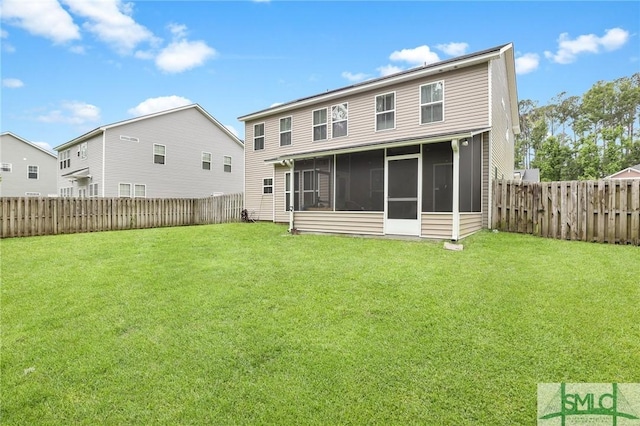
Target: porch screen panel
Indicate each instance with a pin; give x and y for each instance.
(471, 176)
(316, 183)
(437, 177)
(360, 181)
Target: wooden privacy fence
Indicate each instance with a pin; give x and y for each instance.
(27, 216)
(605, 211)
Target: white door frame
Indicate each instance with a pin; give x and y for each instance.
(403, 226)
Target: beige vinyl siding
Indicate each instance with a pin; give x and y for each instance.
(437, 225)
(256, 169)
(502, 137)
(186, 134)
(465, 107)
(470, 223)
(364, 223)
(281, 215)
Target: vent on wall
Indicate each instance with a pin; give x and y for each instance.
(129, 138)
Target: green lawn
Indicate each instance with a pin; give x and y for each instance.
(245, 324)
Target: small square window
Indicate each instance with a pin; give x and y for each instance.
(124, 190)
(227, 164)
(140, 191)
(267, 186)
(6, 167)
(159, 153)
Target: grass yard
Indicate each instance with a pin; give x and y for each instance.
(245, 324)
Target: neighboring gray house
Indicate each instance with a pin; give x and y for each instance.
(178, 153)
(413, 153)
(26, 169)
(527, 175)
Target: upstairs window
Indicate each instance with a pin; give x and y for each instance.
(432, 103)
(6, 167)
(285, 131)
(83, 150)
(159, 153)
(320, 124)
(386, 111)
(206, 161)
(339, 120)
(32, 172)
(258, 136)
(65, 159)
(267, 186)
(227, 164)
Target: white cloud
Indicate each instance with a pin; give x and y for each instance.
(453, 49)
(111, 22)
(44, 145)
(416, 56)
(12, 83)
(72, 112)
(45, 18)
(161, 103)
(79, 50)
(178, 30)
(354, 77)
(4, 34)
(232, 130)
(183, 55)
(569, 49)
(388, 70)
(614, 38)
(527, 63)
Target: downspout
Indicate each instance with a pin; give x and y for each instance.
(455, 231)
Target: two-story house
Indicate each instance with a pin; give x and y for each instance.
(178, 153)
(413, 153)
(26, 169)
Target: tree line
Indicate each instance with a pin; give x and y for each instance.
(582, 137)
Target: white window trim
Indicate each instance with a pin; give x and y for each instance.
(376, 113)
(37, 172)
(66, 191)
(120, 193)
(65, 159)
(7, 166)
(420, 104)
(264, 137)
(326, 124)
(203, 160)
(347, 120)
(265, 186)
(224, 163)
(83, 150)
(164, 155)
(290, 131)
(133, 194)
(93, 193)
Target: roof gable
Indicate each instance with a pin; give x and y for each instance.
(101, 129)
(33, 145)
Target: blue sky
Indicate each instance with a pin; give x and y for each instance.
(69, 66)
